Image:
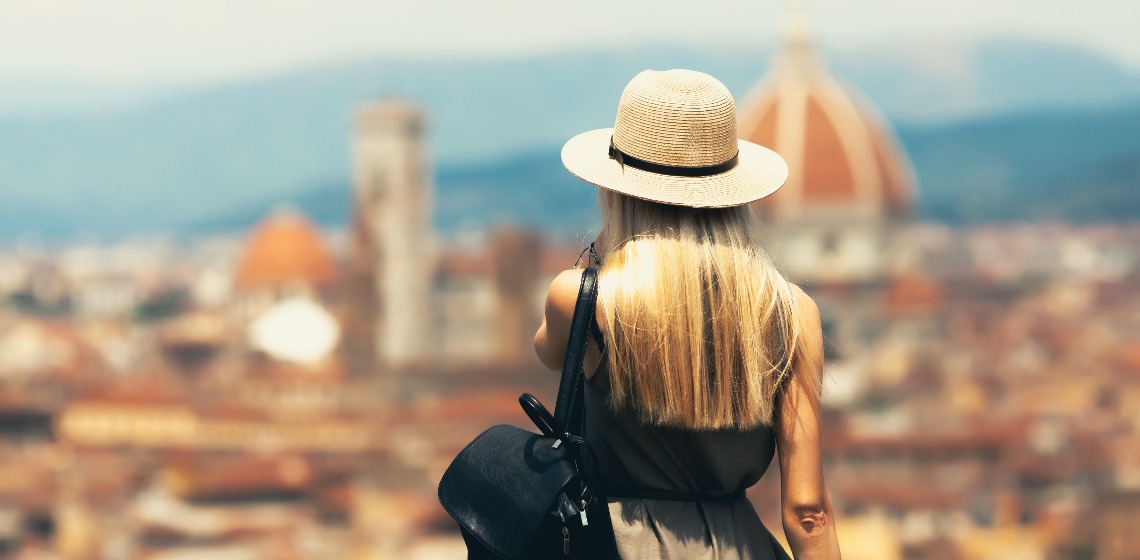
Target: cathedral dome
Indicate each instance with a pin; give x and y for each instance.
(285, 249)
(841, 155)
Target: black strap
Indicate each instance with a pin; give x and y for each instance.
(675, 170)
(568, 410)
(538, 414)
(649, 494)
(594, 329)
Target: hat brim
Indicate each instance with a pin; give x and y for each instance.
(758, 173)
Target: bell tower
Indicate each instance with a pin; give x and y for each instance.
(389, 316)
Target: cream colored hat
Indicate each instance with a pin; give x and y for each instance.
(675, 142)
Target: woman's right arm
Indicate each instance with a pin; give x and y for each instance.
(809, 523)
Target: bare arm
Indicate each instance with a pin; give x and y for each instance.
(809, 523)
(551, 339)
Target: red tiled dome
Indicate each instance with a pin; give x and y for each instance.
(839, 153)
(285, 248)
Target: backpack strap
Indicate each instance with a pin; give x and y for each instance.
(568, 410)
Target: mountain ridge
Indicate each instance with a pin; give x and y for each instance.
(1017, 167)
(203, 155)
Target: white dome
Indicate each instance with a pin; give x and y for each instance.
(295, 330)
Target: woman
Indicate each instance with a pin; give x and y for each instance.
(708, 361)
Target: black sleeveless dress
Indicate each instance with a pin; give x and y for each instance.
(638, 460)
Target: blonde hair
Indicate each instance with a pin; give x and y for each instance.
(699, 325)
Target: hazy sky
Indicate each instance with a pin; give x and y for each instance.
(153, 42)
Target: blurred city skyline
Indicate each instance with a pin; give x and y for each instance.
(265, 268)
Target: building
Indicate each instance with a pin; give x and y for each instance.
(284, 256)
(412, 301)
(849, 186)
(392, 252)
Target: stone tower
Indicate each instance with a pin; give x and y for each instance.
(388, 314)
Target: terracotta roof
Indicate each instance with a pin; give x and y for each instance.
(1128, 355)
(839, 152)
(239, 477)
(147, 391)
(285, 248)
(499, 404)
(900, 496)
(980, 436)
(196, 328)
(62, 352)
(913, 293)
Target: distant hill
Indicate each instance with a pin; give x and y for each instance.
(529, 189)
(944, 81)
(1076, 166)
(216, 158)
(1072, 165)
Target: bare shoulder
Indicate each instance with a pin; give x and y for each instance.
(809, 368)
(806, 307)
(550, 340)
(563, 293)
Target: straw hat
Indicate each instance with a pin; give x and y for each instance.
(675, 142)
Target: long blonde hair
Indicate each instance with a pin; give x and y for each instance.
(699, 325)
